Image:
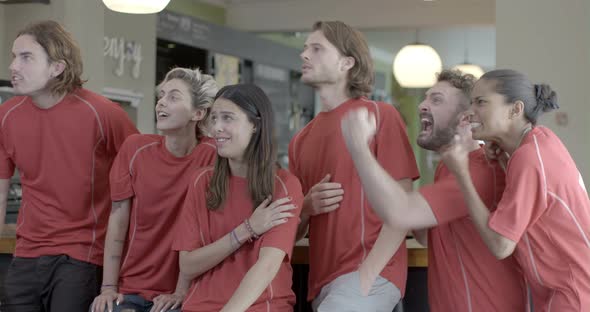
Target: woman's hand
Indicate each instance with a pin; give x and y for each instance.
(266, 216)
(494, 152)
(166, 302)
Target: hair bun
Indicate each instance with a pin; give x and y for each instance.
(546, 98)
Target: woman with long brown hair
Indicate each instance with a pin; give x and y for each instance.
(233, 265)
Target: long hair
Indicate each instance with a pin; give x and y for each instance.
(59, 45)
(351, 42)
(260, 154)
(202, 89)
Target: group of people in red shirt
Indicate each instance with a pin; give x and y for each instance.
(201, 218)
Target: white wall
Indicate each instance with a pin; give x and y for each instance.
(72, 14)
(86, 21)
(17, 16)
(550, 41)
(3, 48)
(140, 29)
(89, 22)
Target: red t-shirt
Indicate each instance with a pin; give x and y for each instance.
(63, 155)
(546, 210)
(463, 275)
(200, 226)
(340, 240)
(156, 181)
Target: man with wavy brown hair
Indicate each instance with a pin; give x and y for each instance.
(356, 263)
(63, 139)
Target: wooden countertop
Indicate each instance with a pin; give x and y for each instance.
(8, 239)
(417, 255)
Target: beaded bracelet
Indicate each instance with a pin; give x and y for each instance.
(235, 237)
(249, 228)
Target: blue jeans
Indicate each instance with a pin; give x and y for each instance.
(135, 303)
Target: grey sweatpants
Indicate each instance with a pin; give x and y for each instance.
(344, 295)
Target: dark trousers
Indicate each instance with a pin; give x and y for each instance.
(50, 284)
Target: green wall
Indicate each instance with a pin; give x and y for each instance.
(207, 12)
(408, 100)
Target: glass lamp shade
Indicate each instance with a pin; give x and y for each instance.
(136, 6)
(416, 65)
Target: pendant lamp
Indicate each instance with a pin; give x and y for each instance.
(416, 65)
(136, 6)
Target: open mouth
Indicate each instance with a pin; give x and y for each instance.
(15, 79)
(475, 125)
(426, 124)
(221, 141)
(162, 115)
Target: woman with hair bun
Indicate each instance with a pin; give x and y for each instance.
(543, 216)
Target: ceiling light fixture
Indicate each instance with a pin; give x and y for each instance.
(416, 65)
(136, 6)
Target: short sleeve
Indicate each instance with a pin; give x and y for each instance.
(293, 168)
(392, 147)
(188, 229)
(523, 199)
(283, 236)
(120, 174)
(6, 164)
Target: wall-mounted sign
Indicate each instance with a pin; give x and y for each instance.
(124, 51)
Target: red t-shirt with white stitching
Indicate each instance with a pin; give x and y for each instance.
(199, 226)
(63, 155)
(156, 182)
(546, 210)
(340, 240)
